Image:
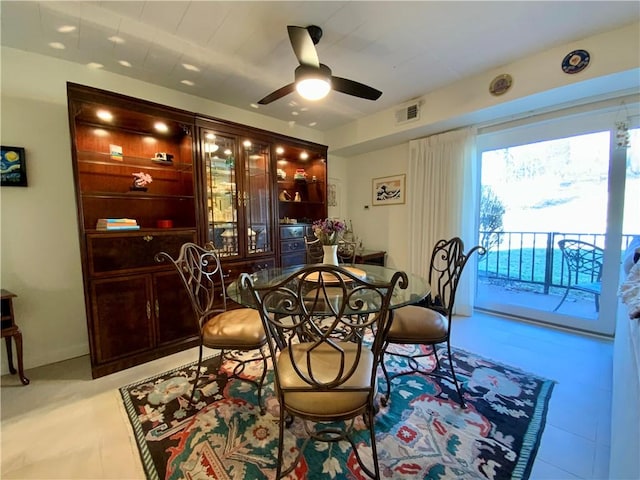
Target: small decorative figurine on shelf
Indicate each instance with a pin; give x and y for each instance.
(300, 174)
(284, 196)
(140, 181)
(297, 198)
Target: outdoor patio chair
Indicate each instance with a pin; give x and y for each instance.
(584, 268)
(230, 331)
(429, 323)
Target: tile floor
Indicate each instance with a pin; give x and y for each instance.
(65, 425)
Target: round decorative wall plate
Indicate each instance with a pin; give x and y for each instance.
(500, 84)
(576, 61)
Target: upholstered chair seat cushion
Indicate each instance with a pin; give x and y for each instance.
(234, 329)
(414, 324)
(325, 365)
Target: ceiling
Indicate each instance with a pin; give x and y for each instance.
(237, 52)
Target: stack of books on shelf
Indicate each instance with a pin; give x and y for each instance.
(117, 224)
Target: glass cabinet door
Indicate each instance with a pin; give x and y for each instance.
(219, 153)
(256, 196)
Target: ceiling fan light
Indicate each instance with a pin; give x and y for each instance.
(313, 83)
(313, 88)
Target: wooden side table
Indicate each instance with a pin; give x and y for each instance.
(10, 330)
(372, 257)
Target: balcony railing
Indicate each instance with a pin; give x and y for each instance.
(532, 258)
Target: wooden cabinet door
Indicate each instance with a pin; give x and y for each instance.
(175, 319)
(122, 317)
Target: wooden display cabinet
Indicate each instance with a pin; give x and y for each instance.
(137, 309)
(302, 182)
(301, 177)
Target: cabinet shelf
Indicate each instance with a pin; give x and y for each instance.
(104, 159)
(135, 196)
(303, 202)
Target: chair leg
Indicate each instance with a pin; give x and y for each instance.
(566, 292)
(453, 375)
(264, 374)
(374, 449)
(385, 399)
(280, 442)
(195, 383)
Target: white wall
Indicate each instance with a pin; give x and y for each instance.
(380, 227)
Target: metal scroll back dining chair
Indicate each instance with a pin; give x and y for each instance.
(230, 331)
(584, 268)
(313, 247)
(430, 322)
(324, 364)
(346, 252)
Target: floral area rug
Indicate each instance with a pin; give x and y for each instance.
(421, 434)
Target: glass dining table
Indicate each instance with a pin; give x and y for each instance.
(417, 288)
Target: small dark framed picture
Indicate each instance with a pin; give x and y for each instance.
(13, 167)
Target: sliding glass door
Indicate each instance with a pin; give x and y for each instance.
(551, 217)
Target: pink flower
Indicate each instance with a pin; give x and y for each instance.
(328, 230)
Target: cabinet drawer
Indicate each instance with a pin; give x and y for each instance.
(299, 258)
(291, 231)
(113, 252)
(233, 270)
(291, 246)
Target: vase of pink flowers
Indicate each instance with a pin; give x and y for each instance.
(328, 232)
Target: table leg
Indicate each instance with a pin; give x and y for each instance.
(12, 369)
(17, 337)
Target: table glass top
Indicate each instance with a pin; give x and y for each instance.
(416, 290)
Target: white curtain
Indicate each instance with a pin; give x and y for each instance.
(443, 193)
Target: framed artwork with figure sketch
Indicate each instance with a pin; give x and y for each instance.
(388, 190)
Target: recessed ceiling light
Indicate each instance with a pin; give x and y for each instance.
(187, 82)
(254, 105)
(104, 115)
(303, 109)
(66, 28)
(94, 65)
(161, 127)
(294, 113)
(313, 124)
(190, 67)
(116, 39)
(57, 45)
(124, 63)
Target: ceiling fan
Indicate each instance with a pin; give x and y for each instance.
(313, 79)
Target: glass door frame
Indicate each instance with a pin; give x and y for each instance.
(581, 122)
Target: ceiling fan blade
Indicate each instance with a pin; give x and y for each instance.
(357, 89)
(303, 46)
(281, 92)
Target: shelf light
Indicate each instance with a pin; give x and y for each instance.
(304, 156)
(279, 150)
(161, 127)
(104, 115)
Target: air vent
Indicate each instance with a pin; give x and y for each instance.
(408, 113)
